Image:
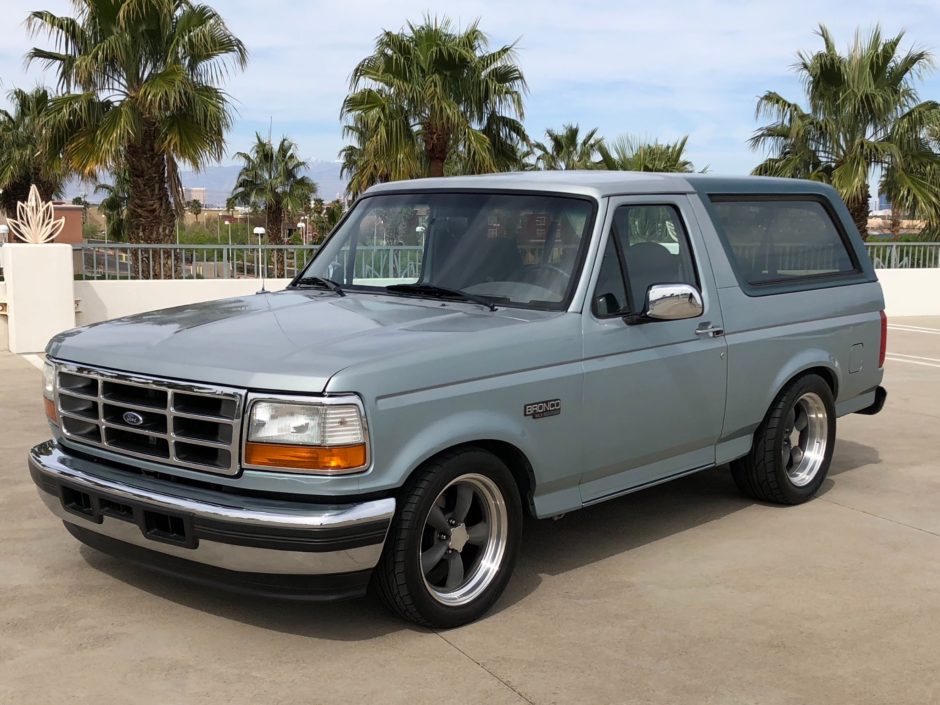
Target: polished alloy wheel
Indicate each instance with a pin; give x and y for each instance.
(805, 437)
(464, 539)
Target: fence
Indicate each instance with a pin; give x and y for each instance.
(904, 255)
(97, 261)
(105, 261)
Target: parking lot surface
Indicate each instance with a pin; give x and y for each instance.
(685, 593)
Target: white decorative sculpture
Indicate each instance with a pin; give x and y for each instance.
(35, 221)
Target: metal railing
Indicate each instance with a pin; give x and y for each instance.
(904, 255)
(106, 261)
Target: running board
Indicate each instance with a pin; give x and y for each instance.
(645, 485)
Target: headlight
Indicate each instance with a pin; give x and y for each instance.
(48, 391)
(326, 439)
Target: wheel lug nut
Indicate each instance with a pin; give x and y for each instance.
(442, 536)
(452, 522)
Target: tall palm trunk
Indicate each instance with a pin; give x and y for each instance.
(894, 224)
(436, 148)
(858, 209)
(275, 218)
(149, 211)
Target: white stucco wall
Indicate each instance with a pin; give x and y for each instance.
(4, 335)
(908, 292)
(911, 292)
(101, 300)
(38, 294)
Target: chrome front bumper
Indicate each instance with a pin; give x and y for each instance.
(244, 543)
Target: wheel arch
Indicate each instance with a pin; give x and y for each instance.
(823, 366)
(514, 458)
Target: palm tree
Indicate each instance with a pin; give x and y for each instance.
(142, 80)
(431, 91)
(368, 160)
(272, 178)
(26, 153)
(630, 154)
(194, 206)
(113, 205)
(863, 114)
(567, 149)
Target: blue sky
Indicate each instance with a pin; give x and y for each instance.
(653, 69)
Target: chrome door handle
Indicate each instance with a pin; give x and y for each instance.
(709, 331)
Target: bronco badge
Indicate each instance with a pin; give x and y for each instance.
(541, 409)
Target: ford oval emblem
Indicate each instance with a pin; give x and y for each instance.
(133, 418)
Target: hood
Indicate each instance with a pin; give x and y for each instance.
(290, 340)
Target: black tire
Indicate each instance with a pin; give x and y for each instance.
(398, 578)
(762, 473)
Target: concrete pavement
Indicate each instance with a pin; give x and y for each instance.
(685, 593)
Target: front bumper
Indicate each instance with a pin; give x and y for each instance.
(260, 546)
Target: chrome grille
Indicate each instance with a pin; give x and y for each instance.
(193, 426)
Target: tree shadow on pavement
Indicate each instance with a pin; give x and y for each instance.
(548, 548)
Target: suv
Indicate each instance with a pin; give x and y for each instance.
(461, 352)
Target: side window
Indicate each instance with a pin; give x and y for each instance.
(781, 241)
(655, 249)
(610, 295)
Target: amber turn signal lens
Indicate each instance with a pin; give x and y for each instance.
(309, 458)
(51, 413)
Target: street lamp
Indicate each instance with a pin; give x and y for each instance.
(228, 224)
(302, 226)
(259, 231)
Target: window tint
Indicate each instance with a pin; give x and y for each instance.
(655, 250)
(781, 240)
(516, 249)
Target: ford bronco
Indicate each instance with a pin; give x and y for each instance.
(460, 352)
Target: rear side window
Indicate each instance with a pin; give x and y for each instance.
(774, 241)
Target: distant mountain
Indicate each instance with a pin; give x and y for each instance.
(219, 180)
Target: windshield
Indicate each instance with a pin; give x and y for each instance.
(521, 250)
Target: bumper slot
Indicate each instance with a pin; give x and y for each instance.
(166, 527)
(116, 510)
(79, 503)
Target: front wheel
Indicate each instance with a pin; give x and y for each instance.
(792, 447)
(452, 546)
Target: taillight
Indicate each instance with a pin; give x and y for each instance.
(884, 340)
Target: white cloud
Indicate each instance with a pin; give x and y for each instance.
(653, 69)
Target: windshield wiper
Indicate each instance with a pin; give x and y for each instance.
(440, 292)
(321, 281)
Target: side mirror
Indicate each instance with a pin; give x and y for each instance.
(672, 302)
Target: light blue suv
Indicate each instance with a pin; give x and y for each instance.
(461, 352)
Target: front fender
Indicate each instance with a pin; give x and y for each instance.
(458, 429)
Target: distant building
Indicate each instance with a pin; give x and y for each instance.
(72, 230)
(194, 193)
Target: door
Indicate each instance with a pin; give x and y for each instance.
(654, 391)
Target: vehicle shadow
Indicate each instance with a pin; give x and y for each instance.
(548, 548)
(848, 456)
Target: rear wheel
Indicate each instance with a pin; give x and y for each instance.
(452, 546)
(793, 446)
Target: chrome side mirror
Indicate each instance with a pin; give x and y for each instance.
(672, 302)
